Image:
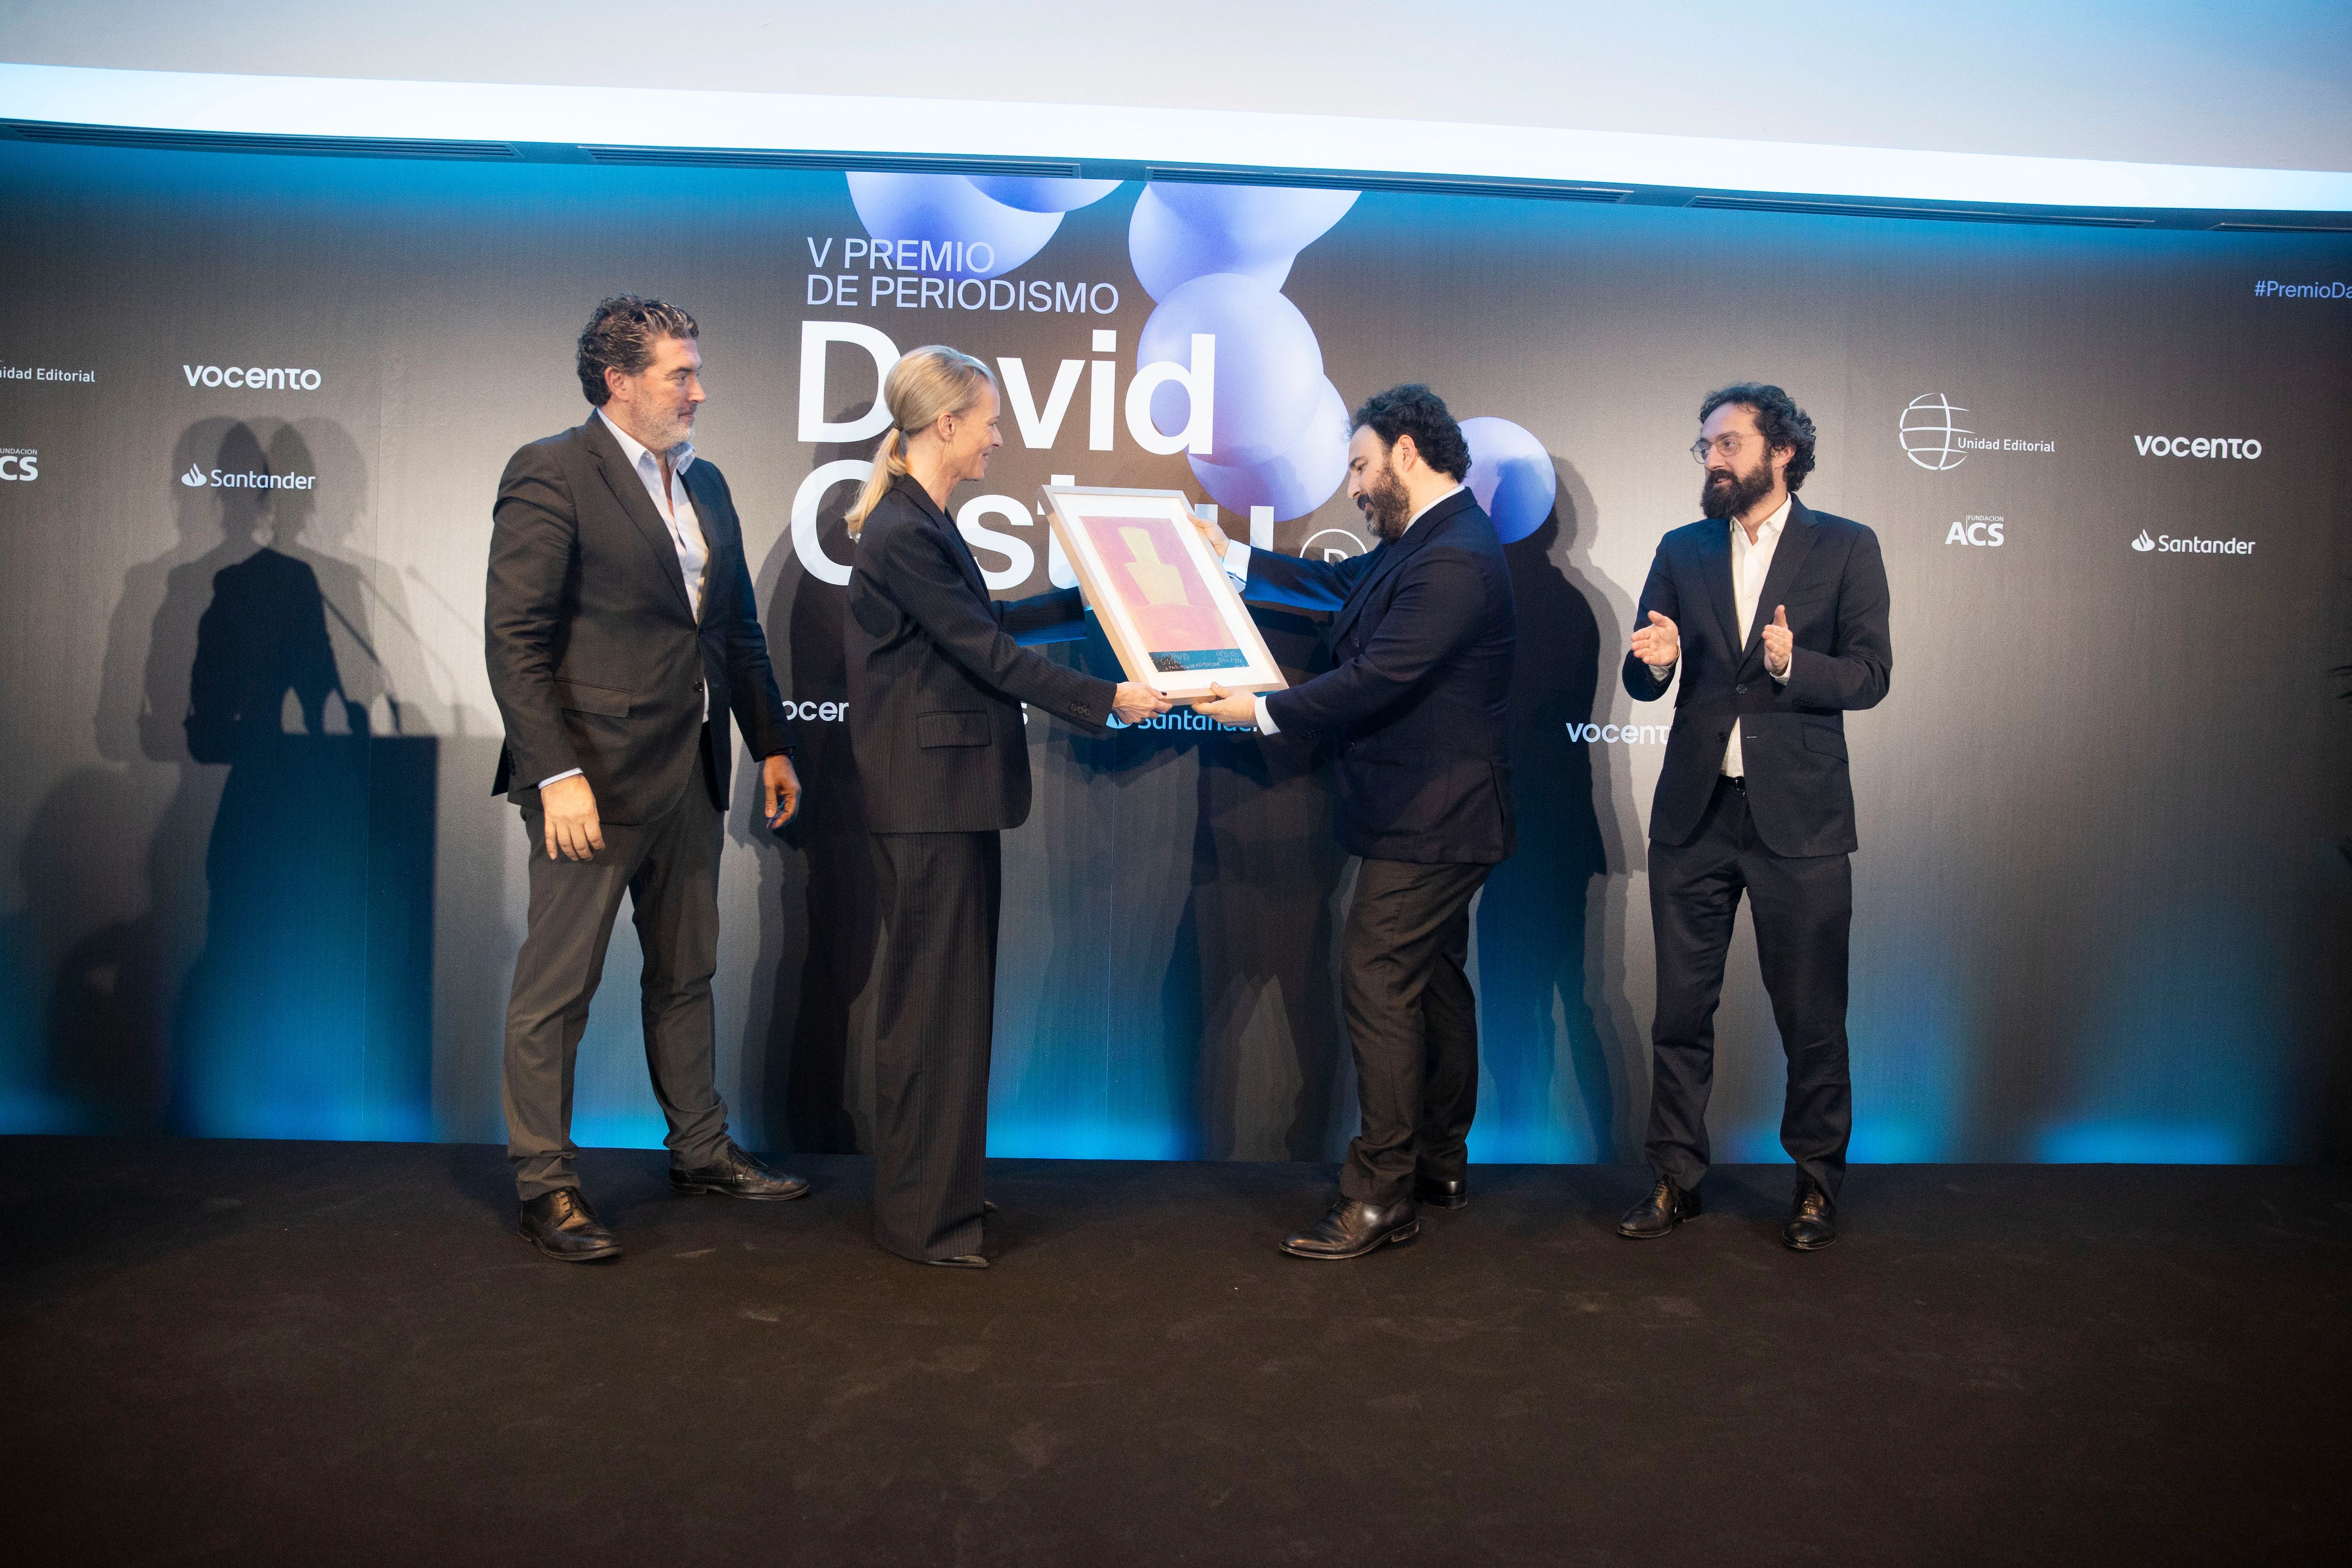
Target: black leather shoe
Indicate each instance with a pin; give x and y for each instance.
(968, 1260)
(1442, 1192)
(1351, 1229)
(562, 1226)
(736, 1175)
(1666, 1206)
(1812, 1218)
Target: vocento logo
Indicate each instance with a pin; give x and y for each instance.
(2165, 544)
(19, 464)
(198, 479)
(254, 378)
(1620, 734)
(2242, 447)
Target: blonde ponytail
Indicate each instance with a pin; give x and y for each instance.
(925, 383)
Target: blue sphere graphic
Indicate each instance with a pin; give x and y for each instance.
(1296, 482)
(944, 209)
(1511, 475)
(1181, 232)
(1042, 196)
(1269, 377)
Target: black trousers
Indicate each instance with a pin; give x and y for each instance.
(934, 1022)
(1802, 908)
(1413, 1023)
(669, 870)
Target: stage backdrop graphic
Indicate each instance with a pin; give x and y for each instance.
(253, 409)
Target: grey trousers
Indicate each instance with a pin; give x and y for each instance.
(669, 870)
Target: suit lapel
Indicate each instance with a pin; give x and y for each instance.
(629, 490)
(1396, 551)
(957, 549)
(706, 512)
(1715, 567)
(1797, 537)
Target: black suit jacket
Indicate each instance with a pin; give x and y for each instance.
(937, 674)
(597, 659)
(1829, 573)
(1424, 635)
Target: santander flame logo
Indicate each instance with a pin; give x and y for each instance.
(193, 479)
(2143, 542)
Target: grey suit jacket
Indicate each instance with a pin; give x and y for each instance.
(596, 657)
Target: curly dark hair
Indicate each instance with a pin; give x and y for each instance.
(1413, 410)
(622, 334)
(1778, 419)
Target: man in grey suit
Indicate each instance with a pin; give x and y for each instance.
(622, 637)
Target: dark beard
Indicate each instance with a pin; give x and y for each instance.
(1719, 500)
(1386, 506)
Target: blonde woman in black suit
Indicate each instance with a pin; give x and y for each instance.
(937, 680)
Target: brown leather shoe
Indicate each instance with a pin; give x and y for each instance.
(1351, 1229)
(1812, 1218)
(562, 1226)
(736, 1175)
(1666, 1206)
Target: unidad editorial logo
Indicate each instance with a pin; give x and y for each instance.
(253, 378)
(19, 465)
(1934, 438)
(198, 477)
(2165, 544)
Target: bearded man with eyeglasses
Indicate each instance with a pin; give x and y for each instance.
(1774, 616)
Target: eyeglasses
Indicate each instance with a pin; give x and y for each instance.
(1728, 448)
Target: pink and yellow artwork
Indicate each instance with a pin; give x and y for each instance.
(1173, 610)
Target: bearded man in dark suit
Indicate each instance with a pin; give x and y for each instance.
(1775, 616)
(1424, 632)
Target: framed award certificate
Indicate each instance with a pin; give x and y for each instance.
(1165, 602)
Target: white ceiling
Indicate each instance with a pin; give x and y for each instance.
(2173, 81)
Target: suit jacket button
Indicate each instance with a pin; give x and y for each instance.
(1742, 689)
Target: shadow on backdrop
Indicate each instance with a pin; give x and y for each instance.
(818, 920)
(309, 1014)
(1551, 919)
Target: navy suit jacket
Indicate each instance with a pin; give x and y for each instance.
(1828, 572)
(1424, 636)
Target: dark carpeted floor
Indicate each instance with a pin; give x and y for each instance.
(306, 1352)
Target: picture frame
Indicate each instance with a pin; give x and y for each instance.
(1163, 600)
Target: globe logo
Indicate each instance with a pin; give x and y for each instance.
(1930, 433)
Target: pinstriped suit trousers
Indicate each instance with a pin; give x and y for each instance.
(934, 1021)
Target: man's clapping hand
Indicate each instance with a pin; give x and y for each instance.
(1779, 642)
(1658, 645)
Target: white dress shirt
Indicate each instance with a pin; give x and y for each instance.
(1237, 555)
(1750, 564)
(675, 510)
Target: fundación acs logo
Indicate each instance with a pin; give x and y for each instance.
(19, 465)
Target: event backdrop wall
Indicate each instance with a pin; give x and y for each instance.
(253, 409)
